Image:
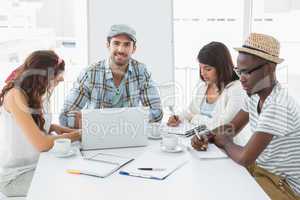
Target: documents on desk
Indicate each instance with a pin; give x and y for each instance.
(98, 164)
(212, 152)
(155, 159)
(184, 129)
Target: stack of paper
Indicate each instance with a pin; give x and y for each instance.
(184, 129)
(100, 164)
(167, 163)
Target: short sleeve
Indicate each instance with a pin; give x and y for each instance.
(245, 105)
(274, 120)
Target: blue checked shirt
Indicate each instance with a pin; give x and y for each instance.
(94, 88)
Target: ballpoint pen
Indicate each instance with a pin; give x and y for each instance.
(139, 175)
(151, 169)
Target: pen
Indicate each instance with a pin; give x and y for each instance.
(151, 169)
(74, 171)
(139, 175)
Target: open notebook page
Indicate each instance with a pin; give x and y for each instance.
(101, 164)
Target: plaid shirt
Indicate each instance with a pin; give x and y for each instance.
(94, 88)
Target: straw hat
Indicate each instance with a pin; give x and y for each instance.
(263, 46)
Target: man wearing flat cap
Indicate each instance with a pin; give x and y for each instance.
(272, 154)
(115, 82)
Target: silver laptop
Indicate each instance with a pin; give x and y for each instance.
(114, 128)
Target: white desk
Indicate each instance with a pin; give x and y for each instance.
(198, 179)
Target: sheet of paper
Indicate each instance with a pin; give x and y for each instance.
(155, 158)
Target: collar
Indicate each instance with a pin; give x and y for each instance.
(275, 89)
(108, 71)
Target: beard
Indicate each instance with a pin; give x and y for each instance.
(120, 59)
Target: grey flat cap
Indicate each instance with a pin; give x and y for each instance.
(119, 29)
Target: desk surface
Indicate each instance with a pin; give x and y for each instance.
(198, 179)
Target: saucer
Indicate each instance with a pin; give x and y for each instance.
(155, 137)
(64, 155)
(176, 149)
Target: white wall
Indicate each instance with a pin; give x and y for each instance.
(152, 21)
(63, 21)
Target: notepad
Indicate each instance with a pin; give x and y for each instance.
(212, 152)
(154, 158)
(184, 129)
(99, 164)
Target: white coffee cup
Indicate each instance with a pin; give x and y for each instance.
(170, 141)
(153, 129)
(62, 145)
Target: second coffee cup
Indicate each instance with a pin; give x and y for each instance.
(170, 141)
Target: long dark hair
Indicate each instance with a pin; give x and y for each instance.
(33, 79)
(217, 55)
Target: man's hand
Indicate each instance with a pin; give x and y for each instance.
(174, 121)
(55, 128)
(200, 143)
(222, 139)
(78, 118)
(74, 136)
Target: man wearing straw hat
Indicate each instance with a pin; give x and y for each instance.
(272, 154)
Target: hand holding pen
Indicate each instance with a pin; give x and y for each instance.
(200, 141)
(173, 119)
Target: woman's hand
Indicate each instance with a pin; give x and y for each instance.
(74, 136)
(60, 129)
(174, 121)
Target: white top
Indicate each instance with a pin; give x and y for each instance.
(207, 108)
(226, 106)
(17, 155)
(280, 116)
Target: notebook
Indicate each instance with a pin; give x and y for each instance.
(213, 152)
(99, 164)
(184, 129)
(156, 159)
